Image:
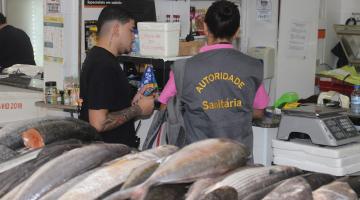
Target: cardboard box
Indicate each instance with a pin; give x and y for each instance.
(190, 48)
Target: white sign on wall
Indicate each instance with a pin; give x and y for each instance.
(298, 39)
(264, 10)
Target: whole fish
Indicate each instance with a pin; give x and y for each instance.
(12, 177)
(67, 166)
(114, 173)
(18, 160)
(222, 193)
(10, 135)
(59, 191)
(296, 188)
(335, 191)
(250, 180)
(202, 159)
(6, 153)
(315, 180)
(59, 130)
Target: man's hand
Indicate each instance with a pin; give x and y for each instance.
(140, 94)
(146, 104)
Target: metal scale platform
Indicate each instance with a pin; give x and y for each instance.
(334, 143)
(324, 125)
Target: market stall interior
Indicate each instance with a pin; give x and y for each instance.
(303, 147)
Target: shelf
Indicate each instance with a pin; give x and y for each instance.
(65, 108)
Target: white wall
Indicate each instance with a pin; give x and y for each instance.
(348, 7)
(70, 45)
(295, 70)
(259, 33)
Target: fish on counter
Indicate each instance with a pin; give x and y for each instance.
(296, 188)
(250, 180)
(115, 173)
(198, 160)
(68, 165)
(10, 135)
(53, 131)
(335, 191)
(315, 180)
(12, 177)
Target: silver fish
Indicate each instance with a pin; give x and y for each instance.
(114, 173)
(336, 190)
(53, 131)
(67, 166)
(10, 135)
(296, 188)
(250, 180)
(202, 159)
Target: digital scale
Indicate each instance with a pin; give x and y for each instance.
(324, 125)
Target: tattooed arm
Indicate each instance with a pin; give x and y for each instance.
(103, 120)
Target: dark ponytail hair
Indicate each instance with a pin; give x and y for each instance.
(223, 19)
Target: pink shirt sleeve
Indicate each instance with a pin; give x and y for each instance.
(169, 90)
(262, 99)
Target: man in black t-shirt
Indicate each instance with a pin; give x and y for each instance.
(104, 87)
(15, 46)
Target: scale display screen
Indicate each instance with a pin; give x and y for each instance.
(341, 127)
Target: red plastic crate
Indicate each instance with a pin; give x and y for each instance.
(326, 84)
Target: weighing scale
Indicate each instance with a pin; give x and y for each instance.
(324, 125)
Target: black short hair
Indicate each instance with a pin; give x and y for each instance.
(113, 12)
(2, 19)
(223, 19)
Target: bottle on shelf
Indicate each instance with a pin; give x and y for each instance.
(355, 100)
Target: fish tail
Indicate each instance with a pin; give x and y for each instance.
(32, 138)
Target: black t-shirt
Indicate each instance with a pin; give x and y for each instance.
(15, 47)
(104, 85)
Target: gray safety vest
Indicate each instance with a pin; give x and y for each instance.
(219, 88)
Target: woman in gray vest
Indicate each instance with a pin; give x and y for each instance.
(221, 88)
